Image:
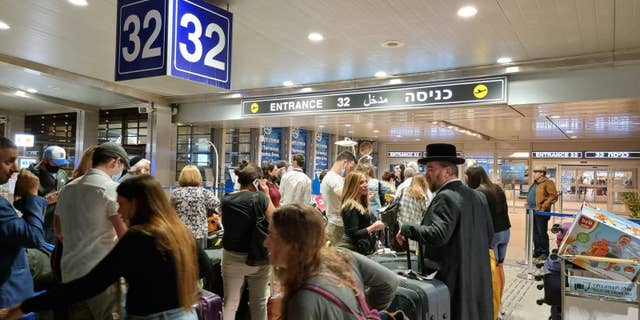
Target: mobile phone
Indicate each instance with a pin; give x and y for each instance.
(256, 184)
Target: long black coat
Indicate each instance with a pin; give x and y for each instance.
(455, 237)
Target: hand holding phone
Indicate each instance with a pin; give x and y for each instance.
(256, 184)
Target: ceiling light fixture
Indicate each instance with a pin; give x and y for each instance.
(381, 74)
(573, 137)
(512, 69)
(21, 93)
(307, 89)
(395, 81)
(554, 117)
(467, 12)
(569, 131)
(235, 95)
(519, 154)
(31, 90)
(462, 130)
(80, 3)
(376, 131)
(503, 60)
(347, 142)
(4, 25)
(347, 125)
(392, 44)
(288, 83)
(315, 37)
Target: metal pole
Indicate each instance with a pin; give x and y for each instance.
(216, 179)
(528, 238)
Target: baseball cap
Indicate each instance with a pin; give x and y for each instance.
(56, 154)
(112, 150)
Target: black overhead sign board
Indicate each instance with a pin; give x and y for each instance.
(586, 155)
(556, 154)
(612, 154)
(462, 92)
(411, 154)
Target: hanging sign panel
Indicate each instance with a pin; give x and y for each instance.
(464, 92)
(188, 39)
(272, 138)
(299, 141)
(322, 151)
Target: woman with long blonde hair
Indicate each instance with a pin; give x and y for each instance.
(296, 244)
(156, 255)
(413, 204)
(358, 222)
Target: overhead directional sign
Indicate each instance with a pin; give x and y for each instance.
(463, 92)
(556, 154)
(612, 154)
(188, 39)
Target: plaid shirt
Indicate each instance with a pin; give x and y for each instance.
(411, 211)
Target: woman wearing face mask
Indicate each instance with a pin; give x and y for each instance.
(358, 222)
(157, 254)
(297, 250)
(241, 212)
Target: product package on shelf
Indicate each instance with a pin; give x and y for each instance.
(603, 243)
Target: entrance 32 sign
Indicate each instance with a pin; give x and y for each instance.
(189, 39)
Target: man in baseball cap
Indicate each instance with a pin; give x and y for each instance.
(52, 179)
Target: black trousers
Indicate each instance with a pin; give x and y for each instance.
(540, 235)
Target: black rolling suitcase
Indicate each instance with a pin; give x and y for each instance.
(421, 298)
(394, 263)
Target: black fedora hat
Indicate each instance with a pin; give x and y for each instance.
(441, 152)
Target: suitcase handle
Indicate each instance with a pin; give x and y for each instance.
(421, 267)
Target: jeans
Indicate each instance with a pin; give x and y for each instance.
(101, 307)
(234, 271)
(540, 235)
(173, 314)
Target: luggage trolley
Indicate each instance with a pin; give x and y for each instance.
(586, 295)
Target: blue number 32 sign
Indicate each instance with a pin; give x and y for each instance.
(188, 39)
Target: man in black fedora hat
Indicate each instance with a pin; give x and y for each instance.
(455, 235)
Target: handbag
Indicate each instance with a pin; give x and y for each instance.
(389, 214)
(258, 254)
(383, 200)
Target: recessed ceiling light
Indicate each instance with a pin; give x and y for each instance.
(80, 3)
(306, 89)
(20, 93)
(381, 74)
(504, 60)
(235, 95)
(376, 131)
(31, 90)
(555, 117)
(467, 12)
(315, 37)
(573, 137)
(347, 125)
(569, 131)
(512, 69)
(398, 136)
(321, 126)
(288, 83)
(392, 44)
(395, 81)
(4, 25)
(417, 139)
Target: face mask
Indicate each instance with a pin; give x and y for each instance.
(117, 176)
(52, 169)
